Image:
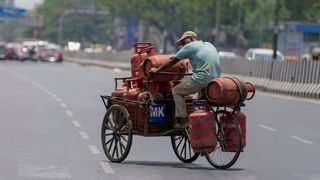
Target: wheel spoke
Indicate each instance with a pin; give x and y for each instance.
(109, 141)
(183, 148)
(108, 134)
(121, 146)
(189, 145)
(121, 136)
(178, 145)
(113, 139)
(115, 147)
(117, 150)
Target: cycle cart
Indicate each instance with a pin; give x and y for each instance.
(140, 105)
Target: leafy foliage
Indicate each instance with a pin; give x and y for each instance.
(249, 18)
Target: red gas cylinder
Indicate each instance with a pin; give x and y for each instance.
(224, 91)
(157, 61)
(242, 121)
(251, 90)
(146, 95)
(134, 87)
(118, 92)
(136, 61)
(230, 132)
(159, 87)
(202, 130)
(142, 50)
(132, 94)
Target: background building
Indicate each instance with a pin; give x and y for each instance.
(298, 38)
(6, 3)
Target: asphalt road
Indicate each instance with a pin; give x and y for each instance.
(50, 129)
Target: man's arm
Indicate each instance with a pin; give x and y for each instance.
(173, 60)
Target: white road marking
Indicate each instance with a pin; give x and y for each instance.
(45, 90)
(106, 167)
(84, 135)
(93, 149)
(267, 127)
(76, 124)
(69, 113)
(302, 140)
(53, 95)
(63, 104)
(58, 99)
(117, 70)
(44, 171)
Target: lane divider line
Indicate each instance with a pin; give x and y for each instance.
(93, 149)
(106, 167)
(267, 127)
(76, 124)
(84, 135)
(69, 113)
(302, 140)
(63, 104)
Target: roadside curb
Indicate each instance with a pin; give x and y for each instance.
(96, 62)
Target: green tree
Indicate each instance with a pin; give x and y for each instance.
(238, 18)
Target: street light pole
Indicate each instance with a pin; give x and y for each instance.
(276, 28)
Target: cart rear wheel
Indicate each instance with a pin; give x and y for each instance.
(182, 147)
(116, 133)
(229, 140)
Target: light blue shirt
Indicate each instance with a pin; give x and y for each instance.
(204, 60)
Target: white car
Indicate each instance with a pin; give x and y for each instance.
(227, 55)
(262, 54)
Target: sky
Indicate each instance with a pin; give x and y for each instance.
(27, 4)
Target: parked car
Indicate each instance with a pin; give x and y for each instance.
(262, 54)
(315, 53)
(227, 55)
(3, 52)
(21, 53)
(50, 53)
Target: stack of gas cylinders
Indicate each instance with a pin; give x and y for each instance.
(158, 85)
(222, 91)
(142, 85)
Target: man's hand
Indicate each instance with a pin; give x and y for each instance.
(154, 70)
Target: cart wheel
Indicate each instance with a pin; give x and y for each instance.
(116, 133)
(229, 140)
(182, 147)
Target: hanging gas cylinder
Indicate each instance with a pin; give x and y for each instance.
(157, 61)
(242, 122)
(224, 91)
(202, 129)
(230, 132)
(142, 51)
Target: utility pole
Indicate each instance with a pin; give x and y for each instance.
(276, 29)
(217, 4)
(196, 16)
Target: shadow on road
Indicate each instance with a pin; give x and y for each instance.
(190, 166)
